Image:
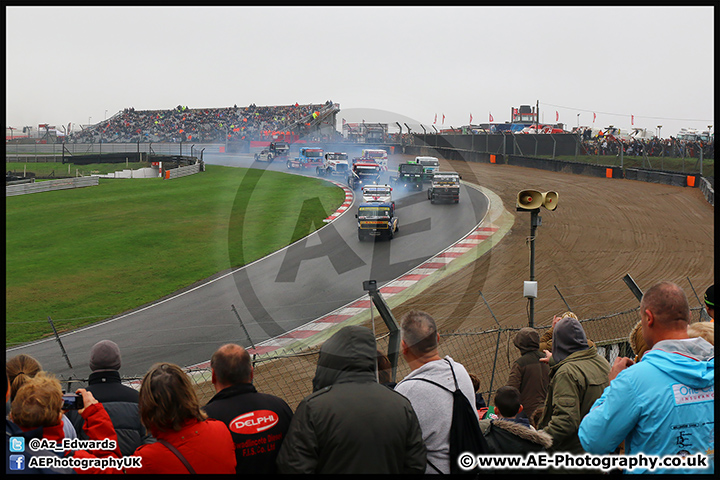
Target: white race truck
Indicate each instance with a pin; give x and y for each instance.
(335, 164)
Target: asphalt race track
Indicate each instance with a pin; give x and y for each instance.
(282, 291)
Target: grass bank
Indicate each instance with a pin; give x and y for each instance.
(83, 255)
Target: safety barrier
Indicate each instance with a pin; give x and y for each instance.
(182, 171)
(708, 191)
(60, 184)
(666, 178)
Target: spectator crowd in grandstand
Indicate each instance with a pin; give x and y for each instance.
(357, 421)
(201, 125)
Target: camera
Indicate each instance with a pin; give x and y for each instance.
(72, 401)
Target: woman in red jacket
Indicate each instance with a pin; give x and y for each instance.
(187, 441)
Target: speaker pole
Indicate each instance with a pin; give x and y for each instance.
(534, 222)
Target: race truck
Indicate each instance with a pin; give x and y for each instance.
(410, 176)
(279, 149)
(336, 164)
(377, 193)
(379, 156)
(309, 157)
(430, 166)
(363, 174)
(274, 150)
(376, 219)
(444, 186)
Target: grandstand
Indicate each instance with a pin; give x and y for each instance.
(207, 125)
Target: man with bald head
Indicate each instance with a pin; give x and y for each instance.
(432, 404)
(258, 421)
(663, 405)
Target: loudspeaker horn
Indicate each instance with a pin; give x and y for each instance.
(530, 199)
(551, 200)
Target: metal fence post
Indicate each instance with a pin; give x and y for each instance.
(492, 376)
(57, 337)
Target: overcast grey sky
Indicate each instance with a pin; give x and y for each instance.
(74, 64)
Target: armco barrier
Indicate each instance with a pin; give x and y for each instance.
(577, 168)
(60, 184)
(666, 178)
(708, 191)
(182, 171)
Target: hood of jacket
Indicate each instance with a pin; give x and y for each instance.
(687, 361)
(568, 338)
(524, 432)
(348, 356)
(527, 340)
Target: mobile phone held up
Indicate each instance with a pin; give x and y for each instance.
(72, 401)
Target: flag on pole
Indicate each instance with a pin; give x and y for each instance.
(443, 122)
(557, 116)
(632, 119)
(491, 118)
(594, 117)
(435, 121)
(471, 118)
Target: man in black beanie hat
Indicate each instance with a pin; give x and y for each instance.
(120, 401)
(578, 376)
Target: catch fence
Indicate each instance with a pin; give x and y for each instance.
(488, 354)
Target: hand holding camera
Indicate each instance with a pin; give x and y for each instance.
(78, 400)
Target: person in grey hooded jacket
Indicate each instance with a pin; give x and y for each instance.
(351, 423)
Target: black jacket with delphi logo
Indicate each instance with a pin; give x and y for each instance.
(258, 423)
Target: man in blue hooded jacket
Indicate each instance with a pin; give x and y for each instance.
(663, 405)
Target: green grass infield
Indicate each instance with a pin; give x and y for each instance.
(80, 256)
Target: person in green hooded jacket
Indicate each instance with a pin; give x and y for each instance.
(578, 376)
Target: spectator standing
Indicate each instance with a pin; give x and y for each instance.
(710, 301)
(21, 368)
(384, 367)
(120, 401)
(663, 405)
(20, 460)
(510, 434)
(578, 376)
(705, 330)
(528, 374)
(187, 441)
(38, 405)
(479, 400)
(257, 421)
(351, 423)
(433, 405)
